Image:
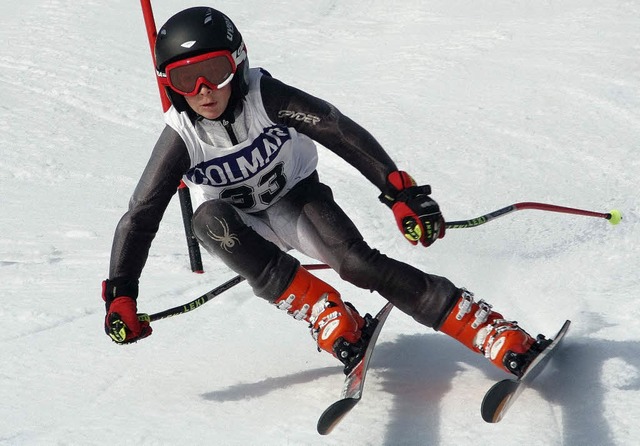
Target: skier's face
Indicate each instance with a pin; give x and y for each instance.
(209, 103)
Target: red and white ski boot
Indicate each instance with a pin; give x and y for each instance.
(485, 331)
(335, 325)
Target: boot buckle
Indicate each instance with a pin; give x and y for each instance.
(466, 302)
(301, 313)
(482, 314)
(286, 303)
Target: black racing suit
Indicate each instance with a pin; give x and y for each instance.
(268, 269)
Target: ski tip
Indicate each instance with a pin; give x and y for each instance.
(496, 416)
(563, 330)
(334, 413)
(498, 399)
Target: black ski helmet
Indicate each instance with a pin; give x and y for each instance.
(199, 30)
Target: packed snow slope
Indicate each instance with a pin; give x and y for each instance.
(490, 102)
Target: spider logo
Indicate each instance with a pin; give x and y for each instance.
(227, 240)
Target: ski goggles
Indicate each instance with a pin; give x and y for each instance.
(214, 69)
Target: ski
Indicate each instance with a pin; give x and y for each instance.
(354, 382)
(503, 394)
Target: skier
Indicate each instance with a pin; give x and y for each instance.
(242, 142)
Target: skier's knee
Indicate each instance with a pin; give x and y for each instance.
(212, 215)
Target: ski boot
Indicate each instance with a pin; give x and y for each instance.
(336, 326)
(484, 331)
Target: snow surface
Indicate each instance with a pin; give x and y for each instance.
(491, 102)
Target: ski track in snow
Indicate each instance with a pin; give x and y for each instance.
(490, 102)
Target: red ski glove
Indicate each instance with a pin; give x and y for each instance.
(418, 216)
(122, 323)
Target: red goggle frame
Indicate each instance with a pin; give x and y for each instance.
(214, 69)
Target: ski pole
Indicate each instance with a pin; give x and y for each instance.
(614, 216)
(206, 297)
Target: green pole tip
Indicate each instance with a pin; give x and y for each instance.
(615, 217)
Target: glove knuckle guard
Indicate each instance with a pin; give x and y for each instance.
(417, 215)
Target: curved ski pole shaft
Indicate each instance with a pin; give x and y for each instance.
(614, 216)
(196, 302)
(189, 306)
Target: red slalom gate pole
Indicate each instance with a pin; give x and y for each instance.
(186, 207)
(152, 34)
